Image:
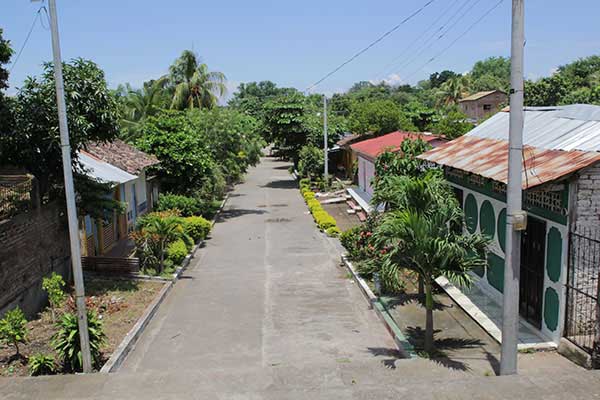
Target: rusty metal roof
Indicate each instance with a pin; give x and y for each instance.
(489, 158)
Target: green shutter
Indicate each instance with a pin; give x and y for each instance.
(554, 254)
(471, 213)
(487, 219)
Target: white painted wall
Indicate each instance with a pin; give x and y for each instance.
(366, 173)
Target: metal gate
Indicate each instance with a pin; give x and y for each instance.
(583, 311)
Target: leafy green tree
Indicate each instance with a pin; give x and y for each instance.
(379, 117)
(5, 54)
(92, 113)
(583, 72)
(490, 74)
(250, 97)
(549, 91)
(6, 119)
(453, 123)
(454, 89)
(311, 162)
(13, 329)
(194, 86)
(166, 230)
(139, 104)
(420, 115)
(438, 78)
(420, 236)
(185, 160)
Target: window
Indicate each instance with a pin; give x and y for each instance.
(487, 107)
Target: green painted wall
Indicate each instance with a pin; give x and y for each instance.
(495, 272)
(502, 229)
(471, 213)
(554, 254)
(487, 219)
(551, 309)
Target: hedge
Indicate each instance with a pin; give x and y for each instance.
(197, 227)
(177, 251)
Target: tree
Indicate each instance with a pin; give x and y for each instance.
(452, 123)
(194, 86)
(5, 54)
(421, 236)
(454, 89)
(6, 119)
(549, 91)
(13, 329)
(311, 162)
(139, 104)
(34, 142)
(490, 74)
(438, 78)
(53, 285)
(379, 117)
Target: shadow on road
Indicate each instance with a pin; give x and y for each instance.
(281, 184)
(238, 212)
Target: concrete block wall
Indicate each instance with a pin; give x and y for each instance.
(588, 199)
(32, 245)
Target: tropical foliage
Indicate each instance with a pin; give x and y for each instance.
(54, 286)
(13, 329)
(67, 344)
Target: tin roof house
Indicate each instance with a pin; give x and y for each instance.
(561, 195)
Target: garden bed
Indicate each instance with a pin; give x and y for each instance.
(119, 303)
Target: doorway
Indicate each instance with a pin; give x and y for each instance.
(531, 282)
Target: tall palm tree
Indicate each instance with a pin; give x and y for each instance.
(421, 236)
(453, 90)
(139, 104)
(194, 86)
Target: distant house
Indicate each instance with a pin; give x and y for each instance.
(125, 167)
(480, 105)
(367, 151)
(561, 195)
(341, 156)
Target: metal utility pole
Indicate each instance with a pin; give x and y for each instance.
(70, 192)
(325, 145)
(516, 217)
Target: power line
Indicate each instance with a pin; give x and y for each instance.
(457, 38)
(37, 15)
(379, 39)
(414, 42)
(448, 25)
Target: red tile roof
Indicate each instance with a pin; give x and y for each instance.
(122, 155)
(371, 148)
(489, 158)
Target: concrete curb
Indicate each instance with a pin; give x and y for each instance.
(118, 356)
(403, 345)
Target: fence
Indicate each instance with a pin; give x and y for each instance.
(15, 195)
(583, 311)
(111, 265)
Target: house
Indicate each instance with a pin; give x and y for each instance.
(561, 184)
(366, 153)
(341, 156)
(126, 168)
(480, 105)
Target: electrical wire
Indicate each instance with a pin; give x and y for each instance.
(489, 11)
(37, 15)
(444, 29)
(394, 63)
(373, 43)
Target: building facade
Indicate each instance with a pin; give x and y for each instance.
(482, 104)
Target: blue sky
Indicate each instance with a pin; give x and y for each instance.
(295, 43)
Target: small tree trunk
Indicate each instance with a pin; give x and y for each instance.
(162, 257)
(429, 317)
(421, 287)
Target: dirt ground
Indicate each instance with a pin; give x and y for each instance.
(344, 220)
(119, 304)
(461, 344)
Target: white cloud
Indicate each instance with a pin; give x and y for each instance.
(392, 80)
(553, 70)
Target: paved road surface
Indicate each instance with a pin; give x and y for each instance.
(264, 312)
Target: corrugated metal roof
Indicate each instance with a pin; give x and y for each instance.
(371, 148)
(479, 95)
(573, 127)
(103, 171)
(489, 158)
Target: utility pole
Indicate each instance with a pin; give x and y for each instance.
(516, 218)
(70, 192)
(325, 144)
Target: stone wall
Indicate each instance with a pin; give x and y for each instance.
(32, 245)
(587, 206)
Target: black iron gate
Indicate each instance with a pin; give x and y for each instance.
(583, 310)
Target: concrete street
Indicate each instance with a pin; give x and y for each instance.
(265, 312)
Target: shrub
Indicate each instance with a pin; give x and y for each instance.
(177, 251)
(13, 329)
(334, 231)
(308, 195)
(310, 161)
(148, 219)
(350, 240)
(197, 227)
(187, 206)
(314, 205)
(41, 364)
(304, 182)
(67, 345)
(53, 285)
(324, 220)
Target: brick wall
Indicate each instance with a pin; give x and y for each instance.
(32, 245)
(588, 199)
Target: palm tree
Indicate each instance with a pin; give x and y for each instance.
(194, 86)
(142, 103)
(166, 230)
(453, 90)
(421, 236)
